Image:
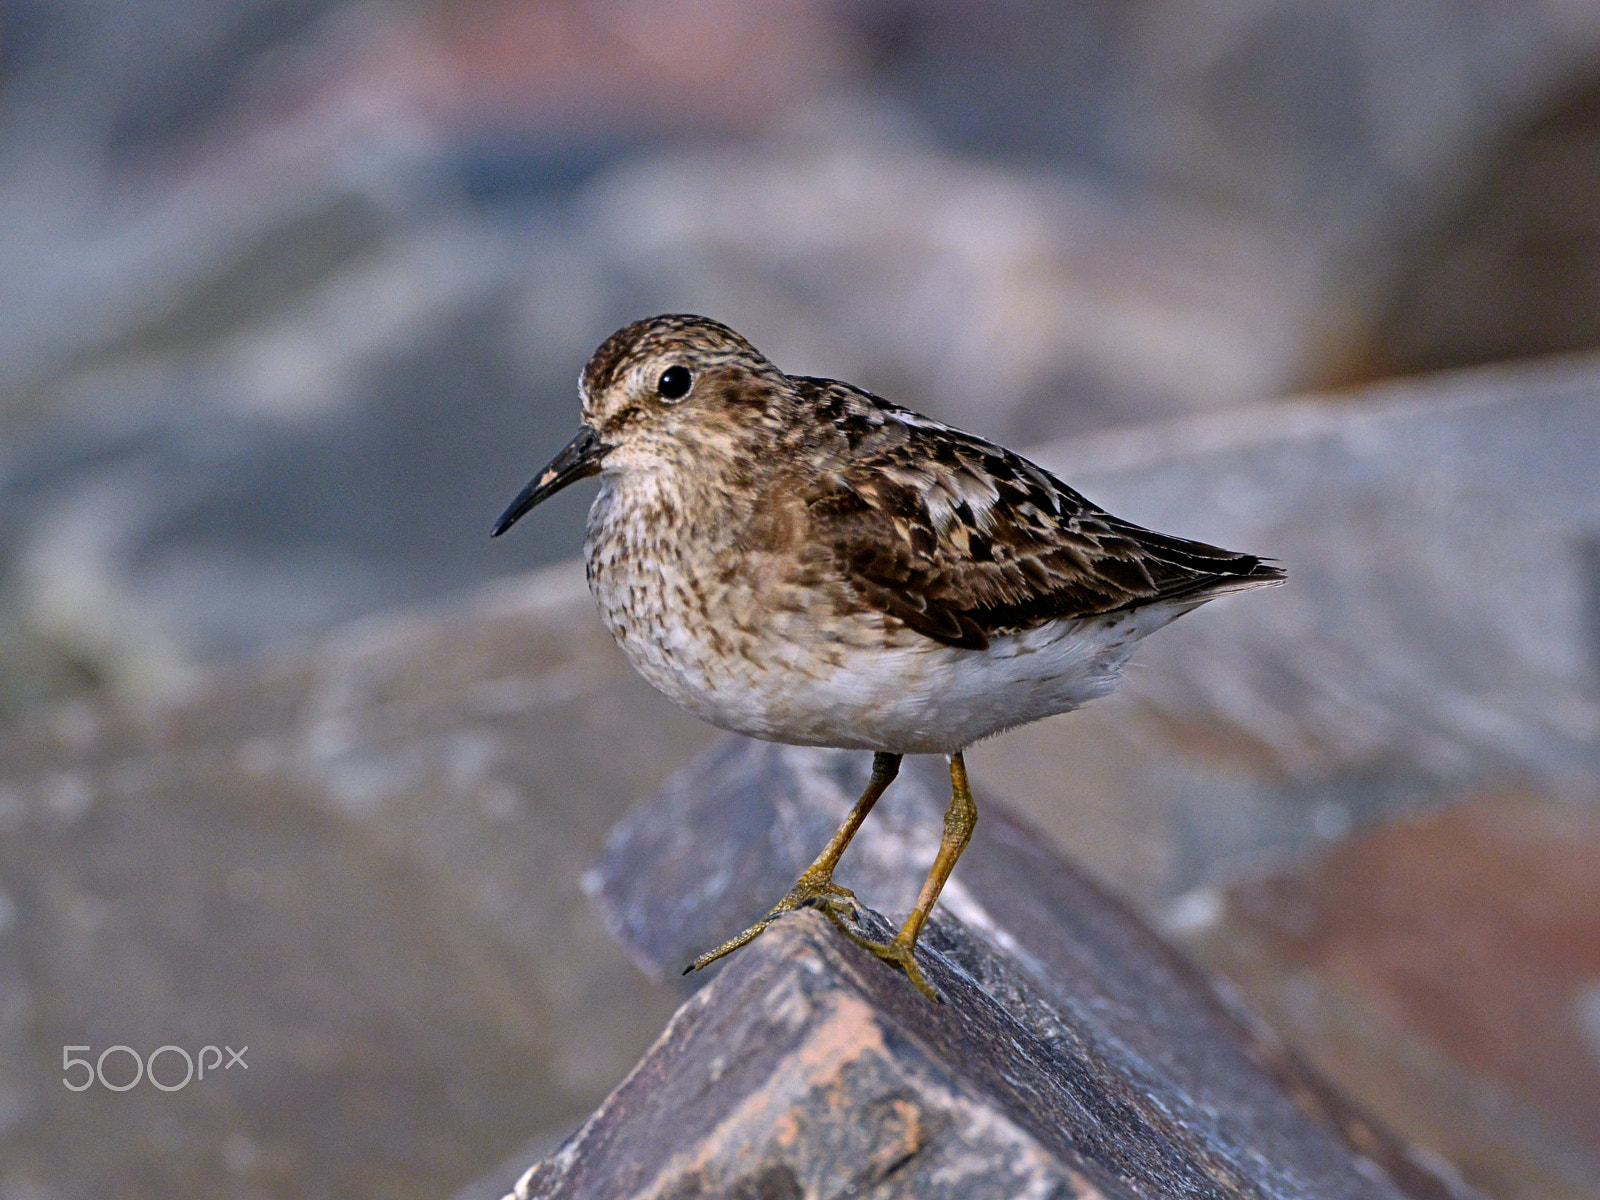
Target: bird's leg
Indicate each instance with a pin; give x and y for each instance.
(959, 821)
(816, 885)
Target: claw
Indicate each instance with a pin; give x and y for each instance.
(900, 954)
(820, 893)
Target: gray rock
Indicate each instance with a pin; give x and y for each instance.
(361, 860)
(1074, 1055)
(1438, 622)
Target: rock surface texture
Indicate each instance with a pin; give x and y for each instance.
(1074, 1055)
(1446, 969)
(361, 861)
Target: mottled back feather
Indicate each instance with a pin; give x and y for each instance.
(963, 540)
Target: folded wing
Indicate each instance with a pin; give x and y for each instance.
(963, 540)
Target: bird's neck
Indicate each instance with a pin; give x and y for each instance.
(670, 506)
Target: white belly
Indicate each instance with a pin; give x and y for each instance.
(905, 695)
(926, 697)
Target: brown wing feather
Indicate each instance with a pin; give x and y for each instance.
(963, 540)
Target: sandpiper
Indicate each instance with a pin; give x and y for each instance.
(798, 560)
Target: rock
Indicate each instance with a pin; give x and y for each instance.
(1447, 970)
(361, 860)
(1508, 270)
(1438, 622)
(1074, 1055)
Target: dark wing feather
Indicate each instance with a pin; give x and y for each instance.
(963, 540)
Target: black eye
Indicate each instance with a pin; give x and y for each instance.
(674, 383)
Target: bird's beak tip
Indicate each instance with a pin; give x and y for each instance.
(579, 458)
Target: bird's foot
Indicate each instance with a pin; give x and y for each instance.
(814, 890)
(898, 953)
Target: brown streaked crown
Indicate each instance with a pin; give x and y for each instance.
(653, 337)
(620, 381)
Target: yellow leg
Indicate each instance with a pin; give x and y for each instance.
(959, 821)
(816, 885)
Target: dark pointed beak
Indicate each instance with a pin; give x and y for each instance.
(578, 459)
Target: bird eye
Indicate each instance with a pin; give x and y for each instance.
(674, 383)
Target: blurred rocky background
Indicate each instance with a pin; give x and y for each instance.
(294, 294)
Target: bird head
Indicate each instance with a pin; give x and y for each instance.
(658, 394)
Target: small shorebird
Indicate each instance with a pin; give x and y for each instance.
(797, 560)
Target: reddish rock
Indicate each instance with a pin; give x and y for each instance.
(1447, 969)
